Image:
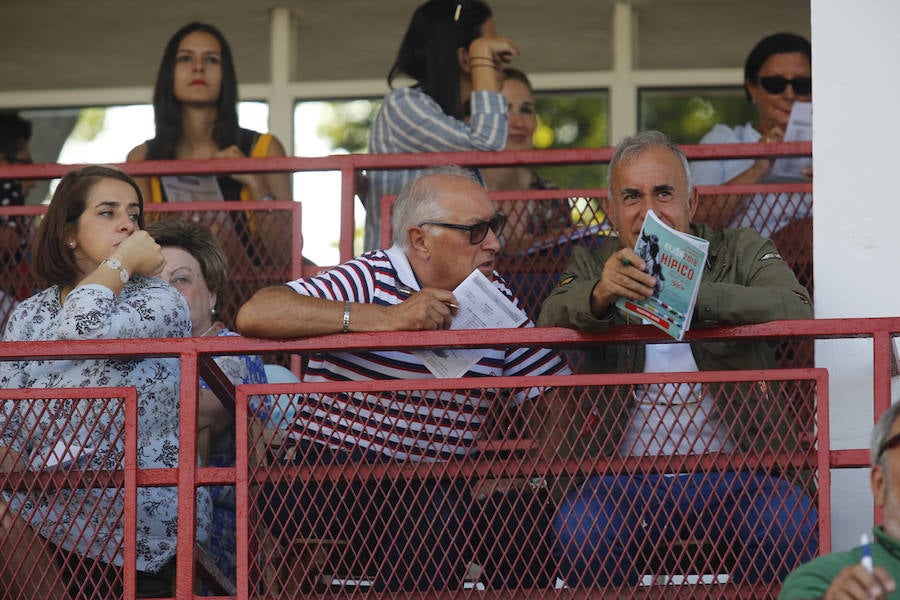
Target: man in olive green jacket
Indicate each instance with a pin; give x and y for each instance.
(745, 280)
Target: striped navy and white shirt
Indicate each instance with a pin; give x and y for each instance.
(436, 425)
(410, 120)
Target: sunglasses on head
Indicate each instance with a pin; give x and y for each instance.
(477, 231)
(889, 444)
(775, 84)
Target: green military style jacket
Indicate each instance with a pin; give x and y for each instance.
(812, 579)
(745, 280)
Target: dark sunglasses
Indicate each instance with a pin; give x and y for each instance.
(478, 231)
(889, 444)
(775, 84)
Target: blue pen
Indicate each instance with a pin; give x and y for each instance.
(866, 549)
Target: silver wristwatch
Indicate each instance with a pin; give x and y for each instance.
(116, 265)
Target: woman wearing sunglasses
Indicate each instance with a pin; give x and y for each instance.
(777, 73)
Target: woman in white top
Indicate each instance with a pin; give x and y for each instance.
(777, 73)
(100, 265)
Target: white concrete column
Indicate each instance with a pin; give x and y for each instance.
(856, 214)
(622, 90)
(281, 56)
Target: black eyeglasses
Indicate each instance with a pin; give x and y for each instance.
(889, 444)
(775, 84)
(478, 231)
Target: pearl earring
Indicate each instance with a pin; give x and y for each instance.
(71, 245)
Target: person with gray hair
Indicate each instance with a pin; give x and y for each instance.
(445, 227)
(845, 575)
(419, 202)
(745, 280)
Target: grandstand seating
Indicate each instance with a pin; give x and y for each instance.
(330, 567)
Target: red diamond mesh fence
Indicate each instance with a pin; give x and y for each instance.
(577, 492)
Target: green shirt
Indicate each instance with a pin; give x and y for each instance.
(812, 579)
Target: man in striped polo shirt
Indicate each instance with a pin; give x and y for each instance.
(444, 227)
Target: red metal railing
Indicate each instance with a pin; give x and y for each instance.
(527, 260)
(193, 352)
(351, 164)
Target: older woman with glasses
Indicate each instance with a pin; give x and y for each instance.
(777, 73)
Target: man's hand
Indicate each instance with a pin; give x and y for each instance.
(623, 277)
(856, 583)
(429, 308)
(485, 488)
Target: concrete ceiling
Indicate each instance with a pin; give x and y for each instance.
(53, 45)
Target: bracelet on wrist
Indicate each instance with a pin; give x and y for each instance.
(268, 197)
(345, 322)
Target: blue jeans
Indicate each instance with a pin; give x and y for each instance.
(602, 527)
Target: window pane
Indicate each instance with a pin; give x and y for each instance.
(686, 114)
(105, 134)
(322, 128)
(573, 120)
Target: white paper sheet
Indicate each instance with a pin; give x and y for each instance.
(799, 129)
(481, 306)
(190, 188)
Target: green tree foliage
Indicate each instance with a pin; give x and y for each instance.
(347, 124)
(686, 115)
(575, 120)
(90, 123)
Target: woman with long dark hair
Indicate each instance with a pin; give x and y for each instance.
(453, 53)
(195, 106)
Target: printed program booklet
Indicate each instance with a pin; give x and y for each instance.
(676, 260)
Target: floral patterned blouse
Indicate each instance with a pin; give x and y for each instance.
(88, 433)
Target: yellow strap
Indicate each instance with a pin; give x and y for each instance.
(260, 150)
(155, 190)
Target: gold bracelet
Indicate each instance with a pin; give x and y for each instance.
(345, 323)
